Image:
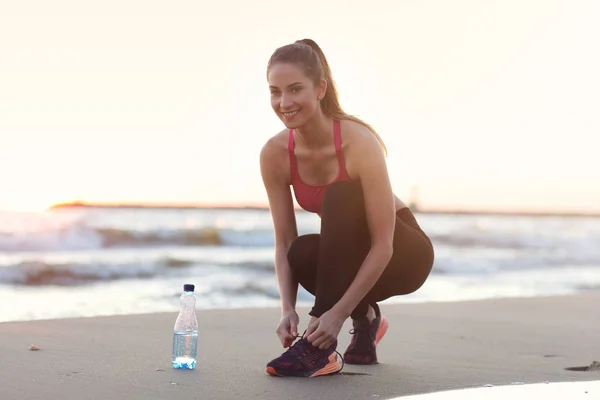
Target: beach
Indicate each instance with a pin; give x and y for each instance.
(429, 347)
(511, 300)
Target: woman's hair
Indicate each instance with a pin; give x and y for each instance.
(308, 55)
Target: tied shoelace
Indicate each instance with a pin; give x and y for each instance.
(361, 335)
(354, 331)
(296, 350)
(365, 328)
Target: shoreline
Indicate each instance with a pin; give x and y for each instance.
(429, 347)
(307, 305)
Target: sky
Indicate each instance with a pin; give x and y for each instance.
(482, 104)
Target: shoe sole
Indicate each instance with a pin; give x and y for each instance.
(333, 367)
(383, 327)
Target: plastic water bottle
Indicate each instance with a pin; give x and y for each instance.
(185, 332)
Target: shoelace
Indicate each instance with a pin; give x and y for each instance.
(362, 333)
(354, 331)
(364, 328)
(295, 349)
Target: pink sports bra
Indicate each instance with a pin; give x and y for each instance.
(310, 197)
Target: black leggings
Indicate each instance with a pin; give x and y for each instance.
(325, 264)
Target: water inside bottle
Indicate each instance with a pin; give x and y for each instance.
(185, 345)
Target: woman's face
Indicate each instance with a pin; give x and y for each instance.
(294, 97)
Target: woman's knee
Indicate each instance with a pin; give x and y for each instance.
(303, 252)
(302, 258)
(413, 276)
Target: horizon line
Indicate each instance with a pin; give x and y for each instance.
(263, 206)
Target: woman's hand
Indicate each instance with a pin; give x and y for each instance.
(287, 330)
(323, 331)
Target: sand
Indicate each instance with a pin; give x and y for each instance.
(429, 347)
(554, 390)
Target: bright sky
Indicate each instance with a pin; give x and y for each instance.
(482, 104)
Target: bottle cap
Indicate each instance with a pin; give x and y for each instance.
(188, 287)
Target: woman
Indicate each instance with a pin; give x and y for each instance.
(370, 246)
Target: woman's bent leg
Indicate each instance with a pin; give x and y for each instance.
(325, 264)
(344, 244)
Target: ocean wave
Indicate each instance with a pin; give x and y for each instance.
(31, 269)
(81, 237)
(112, 229)
(499, 241)
(38, 273)
(85, 238)
(252, 288)
(32, 272)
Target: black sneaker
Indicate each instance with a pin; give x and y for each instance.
(365, 337)
(302, 359)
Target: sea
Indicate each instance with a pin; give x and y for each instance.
(87, 261)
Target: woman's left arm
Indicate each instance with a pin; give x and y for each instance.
(380, 211)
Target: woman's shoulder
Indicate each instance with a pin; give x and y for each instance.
(355, 134)
(274, 153)
(274, 160)
(277, 143)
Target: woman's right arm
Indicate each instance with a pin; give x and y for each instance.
(284, 220)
